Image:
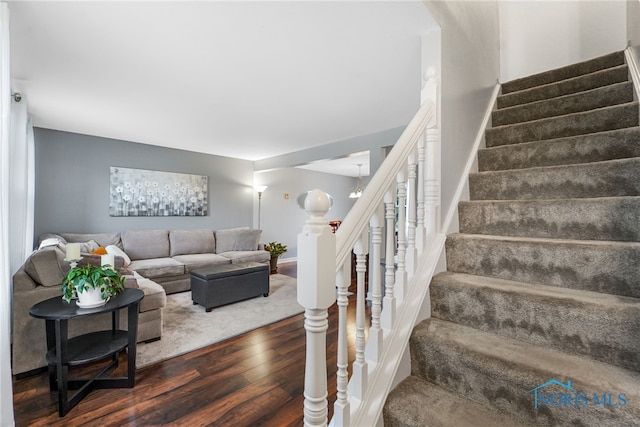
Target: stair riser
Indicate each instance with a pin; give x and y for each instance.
(603, 119)
(615, 219)
(620, 93)
(615, 178)
(573, 70)
(602, 146)
(504, 384)
(608, 268)
(566, 87)
(540, 319)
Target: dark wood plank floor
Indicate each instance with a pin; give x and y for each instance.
(253, 379)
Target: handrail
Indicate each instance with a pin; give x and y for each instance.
(352, 226)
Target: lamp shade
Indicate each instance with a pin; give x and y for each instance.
(260, 188)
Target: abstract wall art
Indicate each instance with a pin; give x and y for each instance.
(139, 192)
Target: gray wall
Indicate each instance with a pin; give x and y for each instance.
(282, 219)
(72, 184)
(470, 70)
(538, 36)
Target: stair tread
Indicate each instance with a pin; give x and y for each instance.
(553, 201)
(541, 290)
(600, 218)
(568, 86)
(618, 177)
(581, 123)
(562, 73)
(416, 402)
(594, 243)
(613, 94)
(596, 265)
(564, 116)
(580, 149)
(517, 354)
(561, 167)
(543, 315)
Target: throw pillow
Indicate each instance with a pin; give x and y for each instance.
(99, 251)
(116, 251)
(46, 266)
(88, 247)
(50, 241)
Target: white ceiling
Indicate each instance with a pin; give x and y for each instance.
(248, 80)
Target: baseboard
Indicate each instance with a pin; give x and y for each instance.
(634, 70)
(287, 260)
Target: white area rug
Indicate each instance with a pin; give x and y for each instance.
(188, 327)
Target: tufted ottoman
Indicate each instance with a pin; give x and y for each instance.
(227, 283)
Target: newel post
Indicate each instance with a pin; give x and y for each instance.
(316, 293)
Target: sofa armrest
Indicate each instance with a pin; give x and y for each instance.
(22, 281)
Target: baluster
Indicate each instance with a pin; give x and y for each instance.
(432, 178)
(359, 377)
(432, 163)
(420, 230)
(341, 408)
(389, 303)
(411, 207)
(316, 293)
(401, 273)
(374, 345)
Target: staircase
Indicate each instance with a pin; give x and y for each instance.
(537, 319)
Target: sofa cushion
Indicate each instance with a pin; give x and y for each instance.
(157, 267)
(246, 256)
(154, 295)
(200, 260)
(185, 242)
(103, 239)
(237, 239)
(47, 266)
(145, 244)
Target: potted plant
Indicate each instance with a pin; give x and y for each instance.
(93, 284)
(275, 249)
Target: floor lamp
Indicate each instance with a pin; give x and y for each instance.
(260, 189)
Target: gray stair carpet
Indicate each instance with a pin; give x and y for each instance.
(537, 319)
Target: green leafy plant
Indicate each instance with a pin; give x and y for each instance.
(276, 248)
(89, 276)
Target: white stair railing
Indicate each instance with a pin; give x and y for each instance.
(397, 214)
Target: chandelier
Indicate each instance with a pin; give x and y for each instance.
(357, 190)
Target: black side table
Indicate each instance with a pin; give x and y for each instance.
(64, 352)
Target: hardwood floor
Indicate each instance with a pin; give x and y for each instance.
(253, 379)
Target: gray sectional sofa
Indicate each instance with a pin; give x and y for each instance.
(159, 263)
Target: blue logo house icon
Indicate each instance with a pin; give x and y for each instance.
(548, 383)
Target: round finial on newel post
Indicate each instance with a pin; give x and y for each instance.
(317, 203)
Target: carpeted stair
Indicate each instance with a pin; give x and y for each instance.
(540, 303)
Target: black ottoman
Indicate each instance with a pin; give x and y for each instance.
(227, 283)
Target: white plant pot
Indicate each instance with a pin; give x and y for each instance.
(90, 298)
